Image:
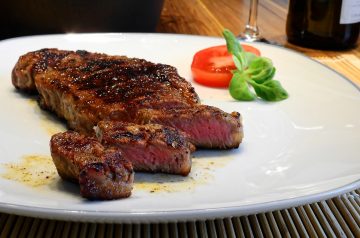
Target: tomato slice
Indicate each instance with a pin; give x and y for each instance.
(212, 66)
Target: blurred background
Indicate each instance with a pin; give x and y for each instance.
(199, 17)
(23, 17)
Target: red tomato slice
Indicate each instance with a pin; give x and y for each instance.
(212, 66)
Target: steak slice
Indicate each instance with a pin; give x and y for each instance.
(102, 173)
(85, 88)
(150, 148)
(205, 126)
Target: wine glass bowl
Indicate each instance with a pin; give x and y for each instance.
(251, 32)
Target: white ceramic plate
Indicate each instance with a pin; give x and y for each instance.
(297, 151)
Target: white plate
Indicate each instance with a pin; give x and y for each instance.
(301, 150)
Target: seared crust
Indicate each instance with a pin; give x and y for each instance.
(85, 87)
(150, 148)
(102, 173)
(111, 178)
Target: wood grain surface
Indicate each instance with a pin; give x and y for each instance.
(210, 17)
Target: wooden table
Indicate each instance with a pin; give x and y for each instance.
(337, 217)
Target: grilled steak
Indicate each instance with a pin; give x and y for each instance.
(150, 148)
(85, 88)
(102, 173)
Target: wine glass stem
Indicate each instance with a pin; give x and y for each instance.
(251, 32)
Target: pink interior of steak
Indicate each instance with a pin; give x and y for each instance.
(205, 126)
(209, 132)
(154, 158)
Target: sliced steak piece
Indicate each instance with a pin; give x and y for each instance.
(102, 173)
(150, 148)
(205, 126)
(85, 88)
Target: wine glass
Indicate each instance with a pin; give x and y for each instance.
(251, 32)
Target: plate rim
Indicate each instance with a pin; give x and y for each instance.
(176, 215)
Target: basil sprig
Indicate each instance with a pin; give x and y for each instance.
(254, 72)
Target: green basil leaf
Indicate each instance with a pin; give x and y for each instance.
(254, 70)
(270, 90)
(261, 69)
(259, 64)
(237, 62)
(250, 57)
(235, 48)
(264, 75)
(239, 89)
(232, 43)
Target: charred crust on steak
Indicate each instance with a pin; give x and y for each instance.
(103, 180)
(113, 79)
(129, 135)
(101, 173)
(124, 132)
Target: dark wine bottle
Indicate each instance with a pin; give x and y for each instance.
(323, 24)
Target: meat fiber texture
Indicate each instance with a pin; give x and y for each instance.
(102, 174)
(150, 147)
(85, 88)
